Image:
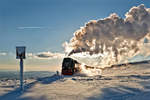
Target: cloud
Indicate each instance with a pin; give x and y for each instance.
(22, 28)
(3, 53)
(30, 55)
(45, 55)
(49, 55)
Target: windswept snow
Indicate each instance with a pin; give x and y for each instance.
(130, 82)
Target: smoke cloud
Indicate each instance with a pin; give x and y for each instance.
(114, 38)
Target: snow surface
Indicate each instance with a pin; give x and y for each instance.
(130, 82)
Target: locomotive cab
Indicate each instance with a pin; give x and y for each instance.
(68, 66)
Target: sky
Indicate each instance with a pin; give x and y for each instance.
(44, 25)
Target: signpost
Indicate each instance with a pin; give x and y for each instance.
(20, 54)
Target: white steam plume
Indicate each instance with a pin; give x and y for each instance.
(115, 38)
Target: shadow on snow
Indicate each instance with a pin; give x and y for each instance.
(125, 92)
(16, 94)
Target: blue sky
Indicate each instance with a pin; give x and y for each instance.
(44, 25)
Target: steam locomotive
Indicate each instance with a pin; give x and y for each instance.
(68, 66)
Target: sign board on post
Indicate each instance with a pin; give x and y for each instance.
(20, 54)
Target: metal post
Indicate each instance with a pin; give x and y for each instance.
(21, 74)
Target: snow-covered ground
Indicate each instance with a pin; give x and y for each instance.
(130, 82)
